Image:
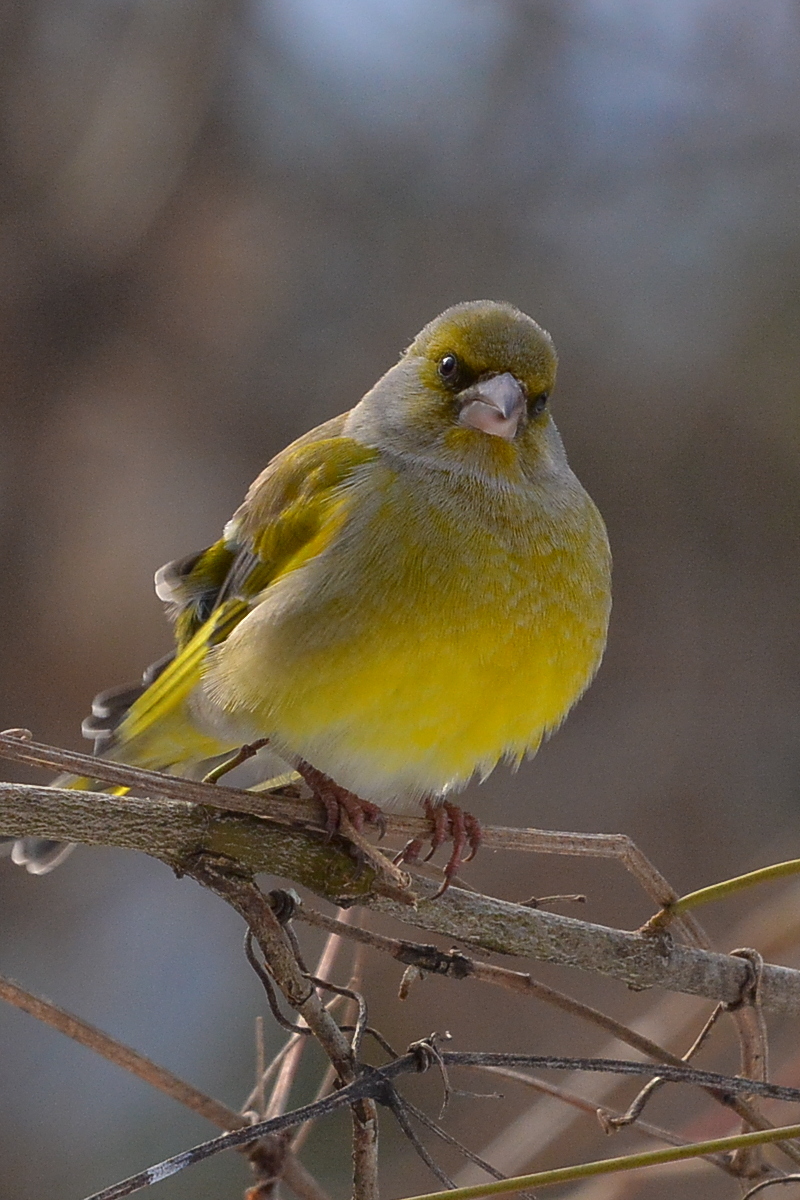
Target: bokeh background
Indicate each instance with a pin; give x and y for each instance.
(219, 223)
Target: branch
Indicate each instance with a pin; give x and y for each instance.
(431, 960)
(376, 1084)
(226, 879)
(18, 746)
(176, 831)
(294, 1173)
(591, 1109)
(459, 966)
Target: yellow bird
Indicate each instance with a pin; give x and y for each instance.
(409, 594)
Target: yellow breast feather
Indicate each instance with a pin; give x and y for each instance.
(454, 627)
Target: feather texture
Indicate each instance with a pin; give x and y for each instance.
(403, 599)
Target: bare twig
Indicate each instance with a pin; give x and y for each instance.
(460, 966)
(400, 1112)
(158, 1077)
(774, 926)
(456, 965)
(174, 831)
(590, 1108)
(425, 1120)
(298, 812)
(638, 1104)
(226, 880)
(260, 1100)
(288, 1070)
(123, 1056)
(752, 1030)
(272, 1068)
(270, 1158)
(768, 1183)
(218, 825)
(372, 1083)
(327, 1081)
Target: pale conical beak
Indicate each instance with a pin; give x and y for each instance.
(494, 406)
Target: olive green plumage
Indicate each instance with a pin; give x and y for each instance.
(410, 593)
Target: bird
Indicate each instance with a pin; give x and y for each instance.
(411, 593)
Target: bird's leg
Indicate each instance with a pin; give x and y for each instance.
(447, 821)
(336, 800)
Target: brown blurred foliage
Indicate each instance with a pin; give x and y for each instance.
(219, 223)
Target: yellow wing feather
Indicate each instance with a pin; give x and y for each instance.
(291, 513)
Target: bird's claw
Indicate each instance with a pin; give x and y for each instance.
(448, 821)
(337, 800)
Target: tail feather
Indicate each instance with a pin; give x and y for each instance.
(109, 708)
(144, 724)
(147, 724)
(39, 856)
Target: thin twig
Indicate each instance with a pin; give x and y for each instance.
(638, 960)
(225, 879)
(774, 926)
(640, 1101)
(588, 1106)
(425, 1120)
(272, 1067)
(297, 1177)
(297, 812)
(173, 831)
(275, 1064)
(286, 1076)
(261, 1069)
(297, 1029)
(460, 966)
(326, 1083)
(456, 965)
(373, 1083)
(564, 843)
(360, 1027)
(399, 1110)
(123, 1056)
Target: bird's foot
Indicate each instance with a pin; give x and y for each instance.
(448, 822)
(337, 800)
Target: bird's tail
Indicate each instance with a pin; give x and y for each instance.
(147, 724)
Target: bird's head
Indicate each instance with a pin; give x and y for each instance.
(471, 392)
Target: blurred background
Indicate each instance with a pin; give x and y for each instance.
(219, 223)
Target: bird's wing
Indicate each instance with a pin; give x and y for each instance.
(263, 536)
(291, 513)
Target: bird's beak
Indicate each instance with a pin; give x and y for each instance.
(494, 406)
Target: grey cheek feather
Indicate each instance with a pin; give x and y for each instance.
(381, 417)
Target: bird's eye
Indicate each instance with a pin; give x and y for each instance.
(449, 368)
(539, 403)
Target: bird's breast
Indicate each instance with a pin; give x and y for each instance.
(448, 625)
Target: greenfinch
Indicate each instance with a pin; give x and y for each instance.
(409, 594)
